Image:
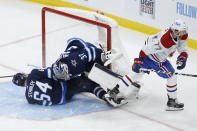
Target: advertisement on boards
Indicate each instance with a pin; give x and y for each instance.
(186, 9)
(147, 8)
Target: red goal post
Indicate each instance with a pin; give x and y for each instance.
(71, 16)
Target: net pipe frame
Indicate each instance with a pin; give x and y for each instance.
(58, 12)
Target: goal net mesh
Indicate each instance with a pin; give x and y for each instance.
(60, 24)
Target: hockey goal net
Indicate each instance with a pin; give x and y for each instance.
(60, 24)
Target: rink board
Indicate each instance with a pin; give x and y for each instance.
(13, 104)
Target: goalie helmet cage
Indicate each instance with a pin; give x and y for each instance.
(67, 15)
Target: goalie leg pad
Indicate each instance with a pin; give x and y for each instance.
(103, 76)
(108, 80)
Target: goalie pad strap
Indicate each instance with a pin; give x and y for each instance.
(108, 79)
(128, 78)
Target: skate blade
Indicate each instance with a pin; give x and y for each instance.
(113, 104)
(122, 104)
(173, 109)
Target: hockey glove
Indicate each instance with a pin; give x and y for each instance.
(19, 79)
(110, 56)
(181, 60)
(137, 64)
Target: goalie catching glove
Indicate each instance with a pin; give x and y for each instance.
(110, 56)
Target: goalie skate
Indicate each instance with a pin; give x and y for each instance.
(114, 98)
(174, 105)
(111, 101)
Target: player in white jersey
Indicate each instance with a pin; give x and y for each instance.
(154, 54)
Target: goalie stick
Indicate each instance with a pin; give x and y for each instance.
(160, 71)
(13, 75)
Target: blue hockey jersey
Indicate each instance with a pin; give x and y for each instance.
(42, 89)
(80, 56)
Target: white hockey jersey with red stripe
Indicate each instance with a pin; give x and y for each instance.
(160, 46)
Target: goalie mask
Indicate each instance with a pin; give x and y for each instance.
(60, 70)
(19, 79)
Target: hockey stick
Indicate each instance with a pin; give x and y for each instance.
(102, 48)
(6, 76)
(31, 65)
(170, 73)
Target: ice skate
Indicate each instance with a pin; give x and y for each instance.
(174, 105)
(114, 98)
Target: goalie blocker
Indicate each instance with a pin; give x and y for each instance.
(110, 80)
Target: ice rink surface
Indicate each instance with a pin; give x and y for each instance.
(20, 45)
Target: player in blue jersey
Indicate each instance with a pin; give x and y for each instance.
(78, 57)
(65, 78)
(43, 89)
